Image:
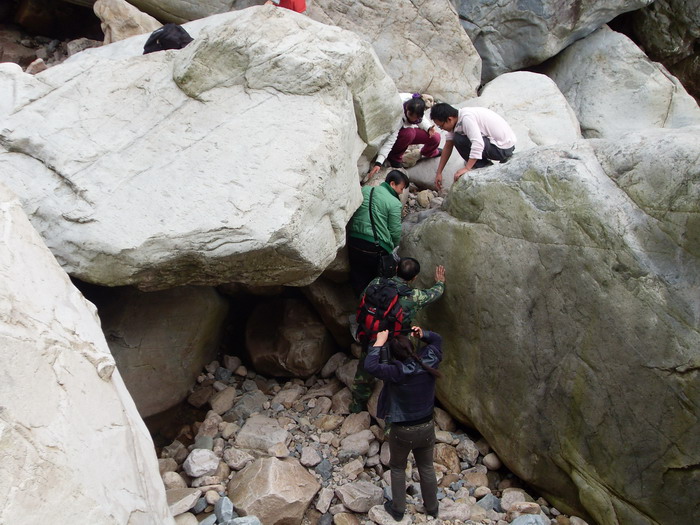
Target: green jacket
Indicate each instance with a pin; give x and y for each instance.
(386, 210)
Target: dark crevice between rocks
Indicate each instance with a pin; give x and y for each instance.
(42, 29)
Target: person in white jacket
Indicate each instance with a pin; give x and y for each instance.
(415, 128)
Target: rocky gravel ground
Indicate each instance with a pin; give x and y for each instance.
(269, 450)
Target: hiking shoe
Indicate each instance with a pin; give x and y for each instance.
(398, 516)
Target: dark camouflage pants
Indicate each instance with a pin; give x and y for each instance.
(362, 385)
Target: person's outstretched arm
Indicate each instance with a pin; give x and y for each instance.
(444, 157)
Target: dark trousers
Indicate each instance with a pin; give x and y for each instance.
(491, 152)
(362, 384)
(419, 439)
(364, 263)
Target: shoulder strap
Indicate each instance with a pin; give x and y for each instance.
(371, 218)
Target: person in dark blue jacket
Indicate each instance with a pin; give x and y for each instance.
(407, 402)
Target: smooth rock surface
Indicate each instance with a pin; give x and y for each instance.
(334, 303)
(614, 88)
(226, 210)
(512, 34)
(563, 255)
(180, 11)
(420, 44)
(161, 338)
(70, 433)
(285, 337)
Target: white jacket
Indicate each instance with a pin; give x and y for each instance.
(424, 124)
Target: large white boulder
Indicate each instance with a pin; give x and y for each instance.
(532, 105)
(74, 449)
(512, 34)
(420, 44)
(234, 159)
(614, 88)
(571, 319)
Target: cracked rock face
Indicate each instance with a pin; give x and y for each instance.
(133, 177)
(613, 87)
(512, 34)
(575, 290)
(421, 45)
(70, 434)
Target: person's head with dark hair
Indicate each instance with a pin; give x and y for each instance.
(408, 268)
(444, 116)
(398, 180)
(414, 109)
(402, 349)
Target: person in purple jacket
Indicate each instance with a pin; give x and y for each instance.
(407, 402)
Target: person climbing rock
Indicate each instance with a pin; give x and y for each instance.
(479, 134)
(411, 301)
(415, 128)
(368, 242)
(407, 402)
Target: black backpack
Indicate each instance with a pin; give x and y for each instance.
(170, 36)
(380, 309)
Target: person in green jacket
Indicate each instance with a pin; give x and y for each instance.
(364, 250)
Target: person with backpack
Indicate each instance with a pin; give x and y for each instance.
(407, 403)
(479, 134)
(415, 128)
(375, 229)
(389, 304)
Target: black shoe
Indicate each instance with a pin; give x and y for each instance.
(398, 516)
